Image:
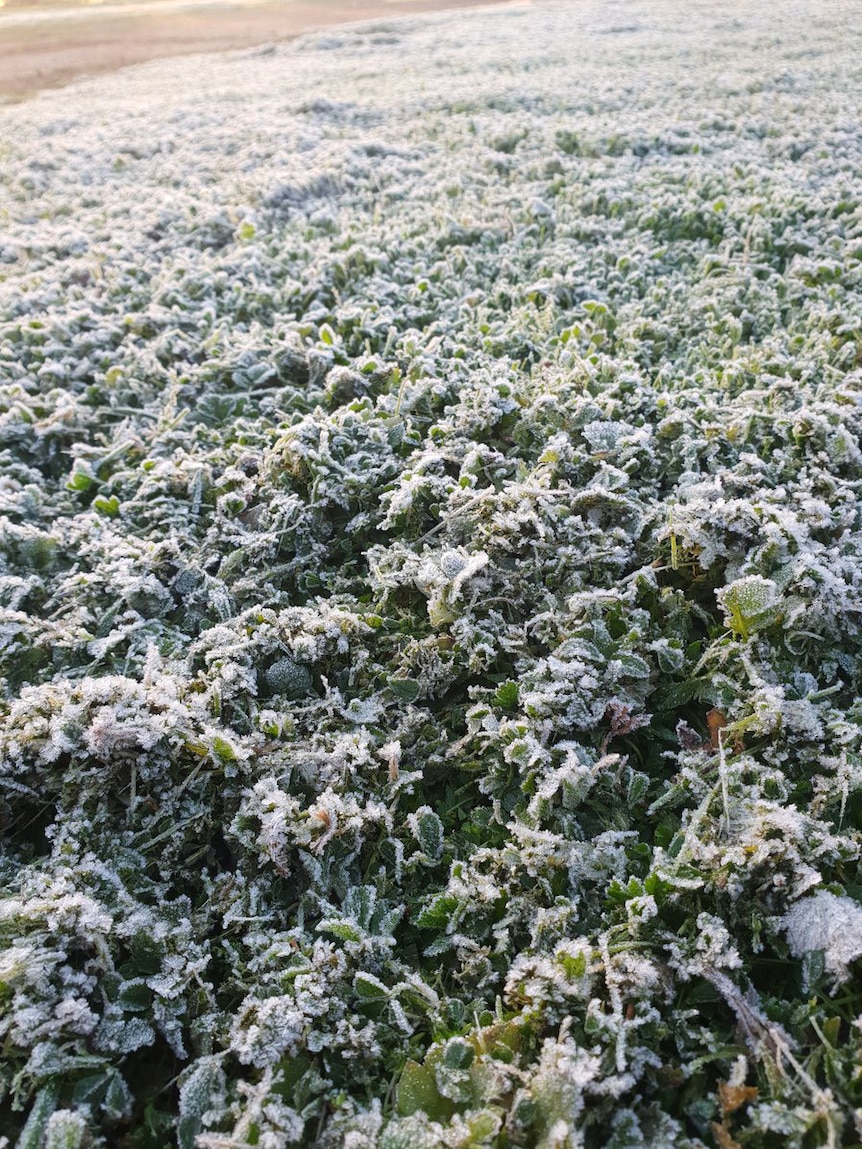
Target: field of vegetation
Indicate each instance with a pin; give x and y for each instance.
(431, 575)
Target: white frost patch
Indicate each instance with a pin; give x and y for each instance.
(828, 923)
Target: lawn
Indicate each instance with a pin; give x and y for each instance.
(431, 568)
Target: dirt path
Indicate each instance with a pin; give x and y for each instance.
(48, 47)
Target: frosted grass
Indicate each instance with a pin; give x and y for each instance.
(430, 543)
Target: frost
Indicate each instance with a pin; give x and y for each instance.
(564, 1075)
(442, 576)
(269, 1030)
(829, 924)
(288, 678)
(749, 603)
(715, 946)
(65, 1130)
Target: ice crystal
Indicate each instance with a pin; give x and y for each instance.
(828, 924)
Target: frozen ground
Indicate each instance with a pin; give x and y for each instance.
(431, 546)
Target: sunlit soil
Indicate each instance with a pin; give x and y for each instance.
(47, 43)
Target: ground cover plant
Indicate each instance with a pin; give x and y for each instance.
(430, 540)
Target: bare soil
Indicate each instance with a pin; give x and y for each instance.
(46, 47)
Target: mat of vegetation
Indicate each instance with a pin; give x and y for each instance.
(431, 551)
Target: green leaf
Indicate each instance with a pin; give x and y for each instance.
(222, 750)
(110, 507)
(197, 1086)
(347, 931)
(90, 1089)
(638, 787)
(417, 1092)
(617, 893)
(676, 845)
(118, 1098)
(436, 915)
(634, 666)
(135, 996)
(404, 689)
(370, 988)
(506, 697)
(429, 832)
(37, 1119)
(80, 481)
(671, 696)
(482, 1125)
(458, 1054)
(657, 887)
(574, 965)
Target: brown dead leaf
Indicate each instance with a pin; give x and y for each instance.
(723, 1136)
(733, 1097)
(716, 720)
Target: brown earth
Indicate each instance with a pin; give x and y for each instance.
(46, 47)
